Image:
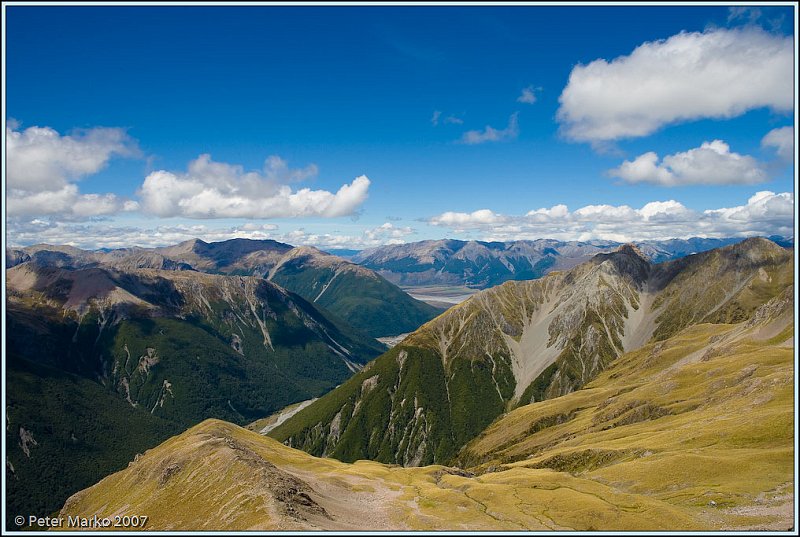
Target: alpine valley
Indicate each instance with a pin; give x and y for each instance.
(617, 393)
(111, 352)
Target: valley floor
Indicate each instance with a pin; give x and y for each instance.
(441, 296)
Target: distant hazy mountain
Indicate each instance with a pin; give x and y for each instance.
(484, 264)
(526, 341)
(104, 362)
(346, 253)
(354, 293)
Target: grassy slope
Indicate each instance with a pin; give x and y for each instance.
(704, 416)
(740, 277)
(692, 433)
(477, 385)
(364, 495)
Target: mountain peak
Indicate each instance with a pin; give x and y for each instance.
(758, 244)
(754, 250)
(630, 248)
(628, 260)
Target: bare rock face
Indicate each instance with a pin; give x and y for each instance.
(26, 440)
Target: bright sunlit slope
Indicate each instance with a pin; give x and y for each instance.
(694, 432)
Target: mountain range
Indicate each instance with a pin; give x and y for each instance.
(692, 431)
(355, 294)
(480, 264)
(111, 352)
(92, 351)
(523, 342)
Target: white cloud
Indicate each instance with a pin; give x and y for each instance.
(764, 207)
(108, 235)
(435, 118)
(105, 235)
(556, 211)
(453, 120)
(782, 140)
(43, 166)
(765, 213)
(527, 96)
(386, 233)
(490, 134)
(218, 190)
(715, 74)
(461, 221)
(712, 163)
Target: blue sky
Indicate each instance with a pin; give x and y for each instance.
(465, 122)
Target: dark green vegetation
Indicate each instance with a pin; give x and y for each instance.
(75, 433)
(527, 341)
(355, 294)
(103, 364)
(400, 409)
(366, 300)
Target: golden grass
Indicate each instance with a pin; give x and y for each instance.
(691, 433)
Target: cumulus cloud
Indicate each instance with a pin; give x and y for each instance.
(276, 169)
(456, 220)
(527, 96)
(782, 141)
(765, 213)
(490, 134)
(43, 167)
(386, 233)
(712, 163)
(720, 73)
(219, 190)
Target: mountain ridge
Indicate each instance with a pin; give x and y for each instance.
(360, 296)
(481, 264)
(526, 341)
(657, 442)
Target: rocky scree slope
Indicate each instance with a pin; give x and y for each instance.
(523, 342)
